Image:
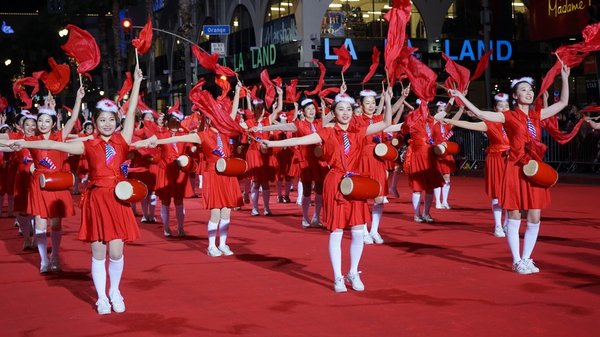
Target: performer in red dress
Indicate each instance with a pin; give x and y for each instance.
(342, 148)
(420, 163)
(172, 182)
(445, 163)
(104, 218)
(495, 159)
(146, 161)
(522, 125)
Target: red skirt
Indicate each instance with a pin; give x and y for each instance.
(172, 182)
(446, 164)
(423, 174)
(48, 204)
(262, 167)
(338, 212)
(219, 191)
(495, 165)
(376, 169)
(22, 182)
(518, 193)
(148, 177)
(284, 161)
(295, 168)
(99, 224)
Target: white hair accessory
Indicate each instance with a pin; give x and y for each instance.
(440, 103)
(177, 115)
(47, 111)
(501, 97)
(305, 102)
(86, 123)
(418, 101)
(368, 93)
(147, 111)
(4, 126)
(257, 101)
(107, 105)
(25, 112)
(344, 98)
(527, 80)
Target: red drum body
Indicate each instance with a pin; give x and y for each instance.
(57, 181)
(385, 151)
(131, 190)
(186, 163)
(360, 188)
(396, 142)
(318, 151)
(231, 166)
(446, 148)
(540, 173)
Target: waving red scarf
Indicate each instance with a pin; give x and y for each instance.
(290, 92)
(58, 78)
(127, 85)
(144, 41)
(482, 65)
(269, 88)
(398, 16)
(344, 58)
(321, 81)
(221, 119)
(82, 46)
(20, 92)
(210, 62)
(223, 83)
(374, 64)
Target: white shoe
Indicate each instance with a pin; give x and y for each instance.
(213, 251)
(340, 285)
(167, 232)
(529, 263)
(499, 232)
(418, 219)
(102, 306)
(254, 212)
(44, 268)
(315, 223)
(55, 265)
(368, 240)
(180, 232)
(267, 212)
(354, 279)
(427, 218)
(225, 250)
(522, 268)
(377, 238)
(385, 200)
(118, 304)
(439, 206)
(446, 206)
(305, 224)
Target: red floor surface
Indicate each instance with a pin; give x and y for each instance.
(451, 278)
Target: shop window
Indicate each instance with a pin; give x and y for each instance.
(242, 31)
(279, 8)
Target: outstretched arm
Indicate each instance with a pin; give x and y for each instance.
(564, 95)
(74, 115)
(127, 131)
(477, 126)
(313, 138)
(484, 115)
(387, 116)
(71, 147)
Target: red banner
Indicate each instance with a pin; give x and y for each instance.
(549, 19)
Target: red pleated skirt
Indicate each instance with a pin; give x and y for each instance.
(338, 212)
(423, 174)
(219, 191)
(495, 165)
(48, 204)
(520, 194)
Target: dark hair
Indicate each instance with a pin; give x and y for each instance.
(98, 112)
(53, 117)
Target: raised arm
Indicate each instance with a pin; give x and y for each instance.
(398, 107)
(127, 131)
(74, 115)
(325, 118)
(236, 100)
(71, 147)
(475, 126)
(381, 102)
(387, 115)
(564, 95)
(484, 115)
(313, 138)
(279, 107)
(189, 138)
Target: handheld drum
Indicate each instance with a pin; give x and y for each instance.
(385, 151)
(186, 163)
(57, 181)
(540, 173)
(446, 148)
(131, 190)
(231, 166)
(360, 188)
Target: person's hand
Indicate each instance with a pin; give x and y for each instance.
(15, 145)
(343, 88)
(565, 71)
(406, 91)
(81, 92)
(440, 116)
(296, 105)
(50, 102)
(279, 91)
(455, 93)
(265, 143)
(238, 86)
(138, 76)
(2, 119)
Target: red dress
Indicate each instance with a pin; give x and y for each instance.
(311, 168)
(48, 204)
(171, 181)
(103, 216)
(420, 162)
(284, 157)
(518, 193)
(262, 166)
(441, 133)
(145, 160)
(20, 163)
(339, 212)
(4, 172)
(218, 191)
(376, 168)
(495, 160)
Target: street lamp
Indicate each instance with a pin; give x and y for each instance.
(7, 62)
(63, 32)
(101, 92)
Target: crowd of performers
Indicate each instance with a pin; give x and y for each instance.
(315, 145)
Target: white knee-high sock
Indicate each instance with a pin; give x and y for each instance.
(445, 192)
(55, 237)
(145, 203)
(300, 190)
(305, 207)
(180, 214)
(530, 238)
(152, 205)
(288, 188)
(278, 184)
(200, 181)
(437, 192)
(512, 235)
(164, 215)
(427, 203)
(212, 233)
(254, 195)
(11, 204)
(318, 206)
(377, 213)
(356, 248)
(99, 277)
(416, 203)
(335, 252)
(223, 230)
(42, 244)
(115, 270)
(265, 197)
(497, 210)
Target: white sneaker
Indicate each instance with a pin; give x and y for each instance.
(340, 285)
(529, 263)
(225, 250)
(377, 238)
(102, 306)
(522, 268)
(427, 218)
(213, 251)
(305, 224)
(354, 279)
(385, 200)
(315, 223)
(254, 212)
(167, 232)
(439, 206)
(418, 219)
(55, 265)
(368, 240)
(44, 268)
(499, 232)
(267, 212)
(180, 232)
(446, 206)
(118, 305)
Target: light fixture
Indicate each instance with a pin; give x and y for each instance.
(101, 92)
(335, 5)
(63, 32)
(7, 62)
(236, 23)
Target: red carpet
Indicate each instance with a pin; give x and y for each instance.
(451, 278)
